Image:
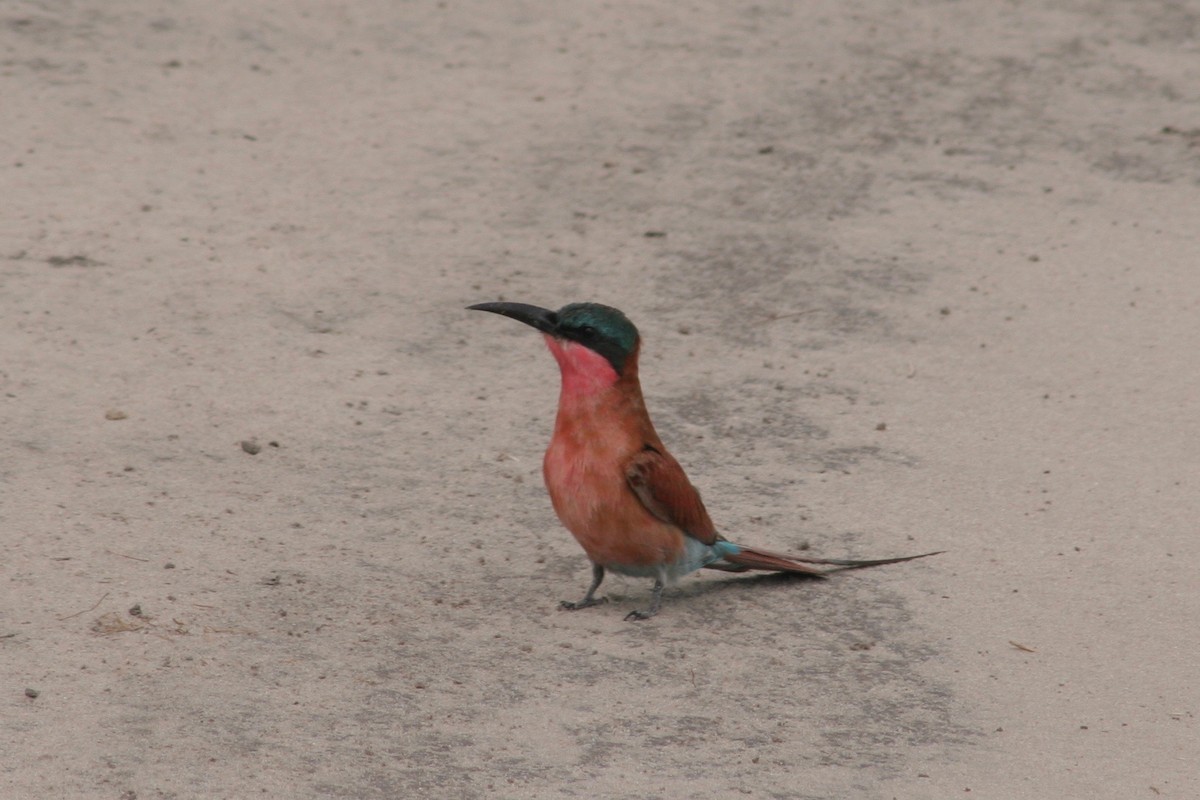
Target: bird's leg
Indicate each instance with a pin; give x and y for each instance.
(655, 602)
(588, 599)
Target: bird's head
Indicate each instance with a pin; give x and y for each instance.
(603, 330)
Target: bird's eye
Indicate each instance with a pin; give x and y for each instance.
(588, 331)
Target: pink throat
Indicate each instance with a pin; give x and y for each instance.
(584, 372)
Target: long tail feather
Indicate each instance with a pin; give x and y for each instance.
(749, 558)
(845, 564)
(753, 558)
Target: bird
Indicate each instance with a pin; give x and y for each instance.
(613, 483)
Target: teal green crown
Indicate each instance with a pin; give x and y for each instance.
(601, 328)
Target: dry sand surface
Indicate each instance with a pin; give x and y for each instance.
(911, 276)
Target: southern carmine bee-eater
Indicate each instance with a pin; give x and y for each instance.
(612, 482)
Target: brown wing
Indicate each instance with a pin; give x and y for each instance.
(660, 483)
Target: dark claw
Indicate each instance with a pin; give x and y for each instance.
(655, 602)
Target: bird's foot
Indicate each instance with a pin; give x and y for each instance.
(567, 605)
(655, 602)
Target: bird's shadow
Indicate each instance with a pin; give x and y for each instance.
(715, 584)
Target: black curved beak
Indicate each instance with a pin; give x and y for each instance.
(543, 319)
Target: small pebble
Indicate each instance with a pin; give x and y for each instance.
(115, 414)
(31, 693)
(253, 448)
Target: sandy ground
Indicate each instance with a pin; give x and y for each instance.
(911, 276)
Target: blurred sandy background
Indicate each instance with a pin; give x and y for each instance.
(911, 276)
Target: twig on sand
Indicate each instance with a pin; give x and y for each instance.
(123, 555)
(774, 317)
(86, 610)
